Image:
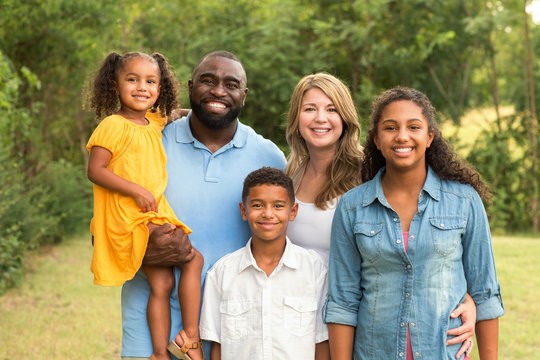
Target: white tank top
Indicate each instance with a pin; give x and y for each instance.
(312, 226)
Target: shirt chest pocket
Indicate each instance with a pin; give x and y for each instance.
(299, 314)
(368, 240)
(446, 233)
(235, 319)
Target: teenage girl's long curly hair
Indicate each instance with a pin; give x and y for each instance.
(344, 172)
(103, 94)
(440, 156)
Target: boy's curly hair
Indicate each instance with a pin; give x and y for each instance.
(268, 176)
(103, 96)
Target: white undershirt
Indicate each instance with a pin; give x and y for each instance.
(312, 226)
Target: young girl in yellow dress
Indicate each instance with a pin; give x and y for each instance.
(128, 168)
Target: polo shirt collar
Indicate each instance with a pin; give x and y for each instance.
(184, 135)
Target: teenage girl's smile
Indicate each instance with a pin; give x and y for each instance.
(403, 135)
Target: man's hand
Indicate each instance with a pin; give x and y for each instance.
(168, 246)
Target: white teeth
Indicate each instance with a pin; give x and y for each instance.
(321, 130)
(216, 105)
(402, 150)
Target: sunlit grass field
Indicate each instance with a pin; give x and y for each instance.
(58, 313)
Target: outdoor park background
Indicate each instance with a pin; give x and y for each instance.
(478, 60)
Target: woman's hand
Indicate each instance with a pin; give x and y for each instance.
(465, 333)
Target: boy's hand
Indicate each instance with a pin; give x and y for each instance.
(168, 246)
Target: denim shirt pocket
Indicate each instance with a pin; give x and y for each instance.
(446, 233)
(235, 318)
(368, 240)
(299, 314)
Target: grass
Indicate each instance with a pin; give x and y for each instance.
(59, 314)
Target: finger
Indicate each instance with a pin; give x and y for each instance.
(459, 339)
(190, 256)
(466, 348)
(164, 229)
(463, 329)
(457, 311)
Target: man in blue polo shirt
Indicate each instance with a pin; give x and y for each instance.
(209, 154)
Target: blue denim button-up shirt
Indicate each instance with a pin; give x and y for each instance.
(378, 287)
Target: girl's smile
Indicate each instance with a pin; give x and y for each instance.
(403, 135)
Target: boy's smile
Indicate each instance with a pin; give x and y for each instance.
(268, 210)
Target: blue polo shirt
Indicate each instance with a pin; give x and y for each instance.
(204, 190)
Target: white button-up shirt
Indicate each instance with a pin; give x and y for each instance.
(255, 316)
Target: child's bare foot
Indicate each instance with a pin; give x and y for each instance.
(183, 344)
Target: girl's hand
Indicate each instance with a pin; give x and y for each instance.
(465, 333)
(145, 200)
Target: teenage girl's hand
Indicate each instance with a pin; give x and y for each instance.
(464, 334)
(145, 200)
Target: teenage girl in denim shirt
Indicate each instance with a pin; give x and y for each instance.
(409, 243)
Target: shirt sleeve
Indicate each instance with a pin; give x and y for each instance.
(344, 272)
(109, 134)
(479, 263)
(210, 324)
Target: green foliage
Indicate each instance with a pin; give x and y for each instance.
(69, 197)
(38, 206)
(501, 158)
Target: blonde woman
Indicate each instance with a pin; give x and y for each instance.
(325, 158)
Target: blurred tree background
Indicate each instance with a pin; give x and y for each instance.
(464, 54)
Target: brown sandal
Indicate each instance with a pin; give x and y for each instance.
(180, 352)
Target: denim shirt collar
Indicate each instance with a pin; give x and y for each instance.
(184, 135)
(432, 187)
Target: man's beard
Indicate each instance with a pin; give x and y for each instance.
(216, 122)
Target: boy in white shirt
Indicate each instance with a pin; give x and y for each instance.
(264, 300)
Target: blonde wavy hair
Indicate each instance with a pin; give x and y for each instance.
(344, 172)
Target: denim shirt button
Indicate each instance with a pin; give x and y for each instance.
(400, 354)
(417, 354)
(398, 241)
(413, 324)
(409, 266)
(402, 324)
(411, 237)
(442, 225)
(407, 294)
(395, 219)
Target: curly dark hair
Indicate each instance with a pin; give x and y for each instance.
(268, 176)
(102, 93)
(440, 155)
